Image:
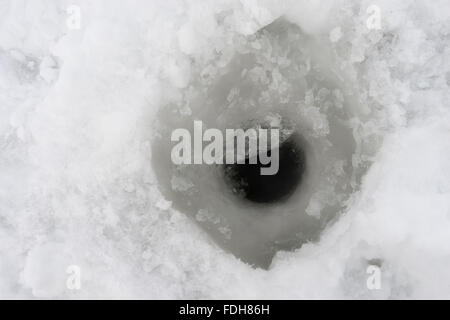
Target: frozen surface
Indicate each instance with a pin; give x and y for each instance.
(77, 109)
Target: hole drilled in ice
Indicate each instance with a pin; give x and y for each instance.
(279, 77)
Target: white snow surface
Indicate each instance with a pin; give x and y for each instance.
(76, 184)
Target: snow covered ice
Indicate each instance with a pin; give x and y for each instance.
(89, 90)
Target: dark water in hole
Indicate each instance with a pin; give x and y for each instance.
(247, 182)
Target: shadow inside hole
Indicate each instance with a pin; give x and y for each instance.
(247, 182)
